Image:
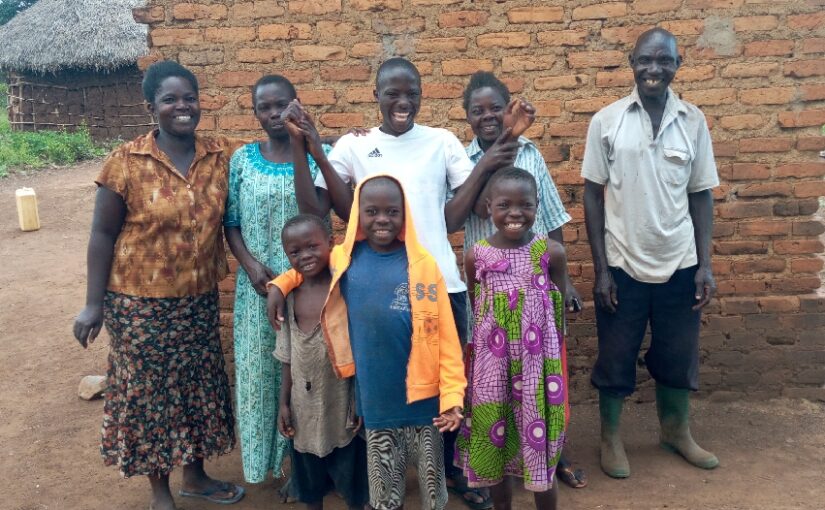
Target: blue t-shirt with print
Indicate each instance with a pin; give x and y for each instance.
(375, 288)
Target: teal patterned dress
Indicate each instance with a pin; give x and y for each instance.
(261, 199)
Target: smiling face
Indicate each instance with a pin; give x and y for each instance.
(655, 61)
(512, 207)
(381, 214)
(485, 114)
(398, 91)
(269, 102)
(307, 247)
(176, 107)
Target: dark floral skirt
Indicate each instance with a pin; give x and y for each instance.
(168, 400)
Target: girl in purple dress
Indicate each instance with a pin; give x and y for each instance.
(516, 411)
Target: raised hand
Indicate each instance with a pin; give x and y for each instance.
(519, 116)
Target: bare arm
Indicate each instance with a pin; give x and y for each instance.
(700, 206)
(303, 139)
(470, 275)
(572, 298)
(257, 272)
(604, 291)
(107, 222)
(502, 153)
(558, 264)
(285, 426)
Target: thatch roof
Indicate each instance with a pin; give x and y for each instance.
(52, 35)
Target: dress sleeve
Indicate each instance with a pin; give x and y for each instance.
(232, 215)
(113, 174)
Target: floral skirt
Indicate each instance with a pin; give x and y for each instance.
(167, 401)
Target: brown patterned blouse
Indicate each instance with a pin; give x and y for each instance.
(171, 244)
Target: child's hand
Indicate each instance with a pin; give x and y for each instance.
(572, 298)
(285, 422)
(275, 304)
(449, 420)
(359, 422)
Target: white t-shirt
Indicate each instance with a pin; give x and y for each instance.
(425, 160)
(648, 228)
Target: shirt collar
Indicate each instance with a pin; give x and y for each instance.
(474, 149)
(673, 104)
(147, 145)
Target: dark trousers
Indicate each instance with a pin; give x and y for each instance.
(673, 356)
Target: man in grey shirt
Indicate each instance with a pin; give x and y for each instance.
(649, 169)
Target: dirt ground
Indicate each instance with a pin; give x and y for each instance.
(772, 453)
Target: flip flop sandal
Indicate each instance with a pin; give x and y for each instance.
(209, 495)
(574, 478)
(461, 489)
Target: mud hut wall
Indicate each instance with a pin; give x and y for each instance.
(755, 67)
(109, 104)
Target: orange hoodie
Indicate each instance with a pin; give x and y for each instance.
(435, 367)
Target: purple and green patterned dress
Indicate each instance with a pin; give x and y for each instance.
(517, 392)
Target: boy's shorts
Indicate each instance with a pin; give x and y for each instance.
(343, 470)
(389, 451)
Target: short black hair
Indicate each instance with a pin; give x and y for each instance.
(513, 173)
(159, 71)
(394, 63)
(274, 79)
(653, 32)
(481, 79)
(304, 219)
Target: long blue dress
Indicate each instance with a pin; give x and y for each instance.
(261, 199)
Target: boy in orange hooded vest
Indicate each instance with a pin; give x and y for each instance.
(397, 337)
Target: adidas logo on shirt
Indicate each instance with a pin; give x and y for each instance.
(375, 153)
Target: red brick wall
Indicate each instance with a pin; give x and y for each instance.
(755, 67)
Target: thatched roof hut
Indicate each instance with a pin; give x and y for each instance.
(74, 62)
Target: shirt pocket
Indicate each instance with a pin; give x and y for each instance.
(676, 165)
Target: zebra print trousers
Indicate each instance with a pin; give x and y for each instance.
(388, 453)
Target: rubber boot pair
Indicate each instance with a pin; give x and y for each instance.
(673, 407)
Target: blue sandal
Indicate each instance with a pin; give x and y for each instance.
(237, 493)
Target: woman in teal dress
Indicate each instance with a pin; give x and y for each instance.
(261, 199)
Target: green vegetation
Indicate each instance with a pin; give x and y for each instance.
(20, 150)
(10, 8)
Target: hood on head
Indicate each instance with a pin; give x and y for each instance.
(355, 232)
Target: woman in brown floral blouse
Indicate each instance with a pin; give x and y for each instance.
(155, 257)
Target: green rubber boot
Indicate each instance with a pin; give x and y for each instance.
(674, 411)
(613, 457)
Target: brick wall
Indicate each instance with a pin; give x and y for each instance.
(755, 67)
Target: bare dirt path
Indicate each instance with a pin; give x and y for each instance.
(772, 453)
